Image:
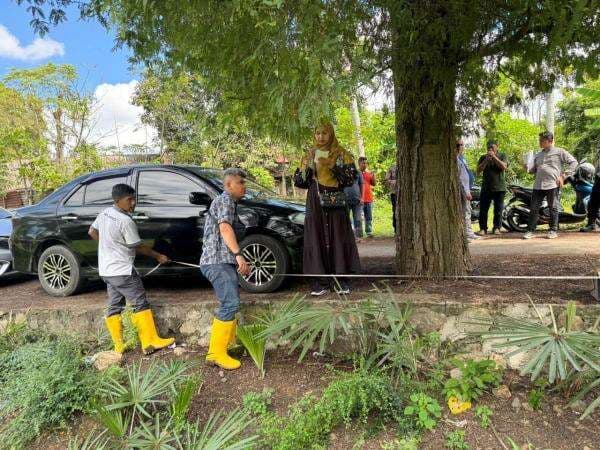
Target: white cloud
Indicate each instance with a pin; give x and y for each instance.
(116, 121)
(10, 47)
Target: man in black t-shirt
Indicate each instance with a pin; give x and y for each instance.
(493, 187)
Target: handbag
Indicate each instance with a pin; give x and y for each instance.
(331, 199)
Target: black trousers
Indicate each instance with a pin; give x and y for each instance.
(594, 203)
(485, 201)
(553, 197)
(393, 200)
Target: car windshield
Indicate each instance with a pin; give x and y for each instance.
(4, 214)
(215, 177)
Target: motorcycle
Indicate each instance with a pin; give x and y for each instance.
(515, 216)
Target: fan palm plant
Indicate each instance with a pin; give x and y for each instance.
(555, 351)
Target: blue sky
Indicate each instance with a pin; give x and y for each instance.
(103, 70)
(87, 45)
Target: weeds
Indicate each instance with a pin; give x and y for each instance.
(425, 409)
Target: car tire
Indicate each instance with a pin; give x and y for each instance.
(59, 271)
(268, 259)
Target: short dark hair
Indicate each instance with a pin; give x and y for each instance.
(234, 172)
(121, 190)
(362, 159)
(548, 135)
(491, 143)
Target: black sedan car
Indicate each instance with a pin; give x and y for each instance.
(5, 232)
(50, 238)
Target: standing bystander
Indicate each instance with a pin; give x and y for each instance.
(391, 179)
(550, 177)
(493, 187)
(465, 189)
(367, 197)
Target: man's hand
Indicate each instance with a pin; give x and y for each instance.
(469, 196)
(243, 266)
(163, 259)
(561, 181)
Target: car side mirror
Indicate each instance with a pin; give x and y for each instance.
(200, 198)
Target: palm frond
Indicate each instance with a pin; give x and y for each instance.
(225, 435)
(252, 339)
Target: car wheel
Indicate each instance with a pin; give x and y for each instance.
(268, 258)
(58, 271)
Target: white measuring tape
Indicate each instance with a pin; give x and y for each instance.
(428, 277)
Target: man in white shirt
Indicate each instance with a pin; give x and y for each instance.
(118, 243)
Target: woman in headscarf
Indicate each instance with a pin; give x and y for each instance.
(329, 245)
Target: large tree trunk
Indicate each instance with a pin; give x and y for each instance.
(430, 237)
(357, 127)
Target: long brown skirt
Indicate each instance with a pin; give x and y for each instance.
(329, 245)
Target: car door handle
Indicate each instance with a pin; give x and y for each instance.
(140, 217)
(69, 217)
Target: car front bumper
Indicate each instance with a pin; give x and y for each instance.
(6, 267)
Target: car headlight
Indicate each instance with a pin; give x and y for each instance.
(297, 218)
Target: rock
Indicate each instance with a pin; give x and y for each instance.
(426, 320)
(557, 410)
(527, 407)
(585, 447)
(455, 373)
(502, 392)
(179, 351)
(224, 380)
(577, 406)
(104, 360)
(516, 404)
(577, 325)
(221, 373)
(457, 327)
(517, 311)
(518, 361)
(546, 423)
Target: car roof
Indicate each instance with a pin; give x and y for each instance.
(128, 168)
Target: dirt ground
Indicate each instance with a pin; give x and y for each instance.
(555, 426)
(571, 254)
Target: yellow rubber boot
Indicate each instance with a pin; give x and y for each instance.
(115, 329)
(149, 338)
(220, 336)
(232, 335)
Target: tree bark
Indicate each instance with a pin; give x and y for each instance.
(357, 127)
(430, 238)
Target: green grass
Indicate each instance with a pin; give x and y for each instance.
(382, 218)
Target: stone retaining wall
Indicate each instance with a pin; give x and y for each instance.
(190, 322)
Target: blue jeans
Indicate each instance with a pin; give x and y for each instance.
(356, 211)
(368, 211)
(224, 279)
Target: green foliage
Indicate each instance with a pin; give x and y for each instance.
(378, 132)
(255, 343)
(579, 126)
(536, 395)
(406, 443)
(148, 409)
(484, 413)
(456, 440)
(515, 137)
(43, 381)
(258, 403)
(561, 351)
(475, 378)
(306, 324)
(310, 421)
(426, 410)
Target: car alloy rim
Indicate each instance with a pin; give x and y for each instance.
(56, 271)
(263, 264)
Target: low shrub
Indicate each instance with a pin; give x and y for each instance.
(426, 410)
(43, 381)
(309, 422)
(475, 378)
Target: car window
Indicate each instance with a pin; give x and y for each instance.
(76, 199)
(99, 192)
(159, 187)
(4, 214)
